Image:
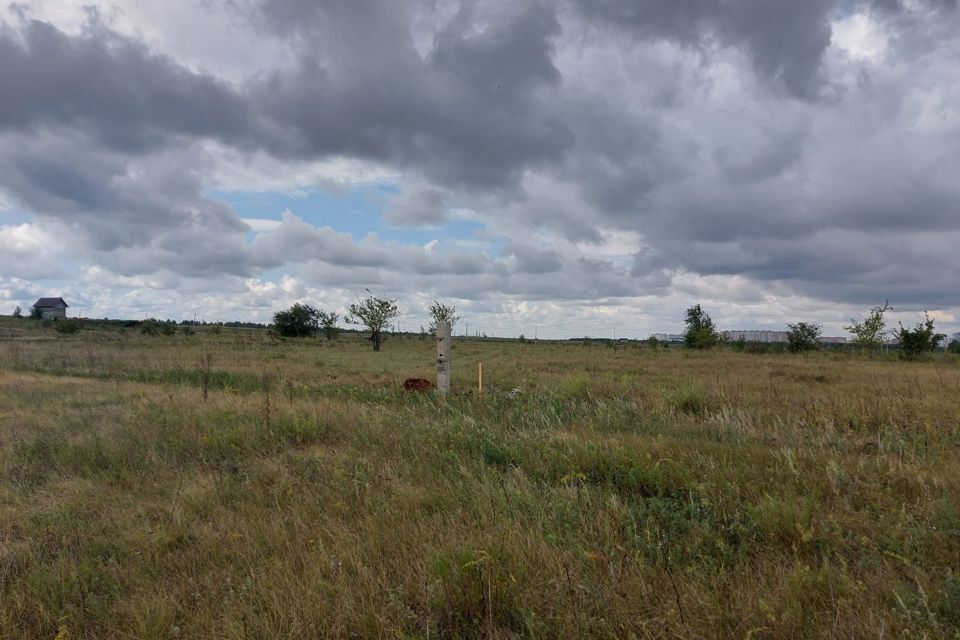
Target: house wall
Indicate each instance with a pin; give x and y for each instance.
(53, 313)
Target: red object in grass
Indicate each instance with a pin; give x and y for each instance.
(417, 384)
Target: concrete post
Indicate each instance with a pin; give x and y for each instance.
(443, 356)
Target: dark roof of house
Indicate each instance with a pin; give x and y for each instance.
(50, 302)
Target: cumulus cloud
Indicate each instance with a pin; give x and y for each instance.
(608, 151)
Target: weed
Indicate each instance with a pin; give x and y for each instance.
(622, 492)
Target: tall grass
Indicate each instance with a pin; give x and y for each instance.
(621, 492)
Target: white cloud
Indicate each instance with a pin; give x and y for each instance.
(618, 169)
(260, 225)
(860, 36)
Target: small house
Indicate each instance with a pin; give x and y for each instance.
(51, 308)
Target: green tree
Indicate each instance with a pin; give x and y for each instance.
(328, 323)
(375, 314)
(153, 326)
(440, 312)
(700, 332)
(923, 338)
(35, 313)
(803, 336)
(954, 347)
(18, 312)
(869, 333)
(299, 321)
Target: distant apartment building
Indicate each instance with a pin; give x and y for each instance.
(755, 335)
(668, 337)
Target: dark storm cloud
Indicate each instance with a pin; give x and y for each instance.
(532, 260)
(785, 39)
(468, 114)
(730, 136)
(135, 217)
(110, 86)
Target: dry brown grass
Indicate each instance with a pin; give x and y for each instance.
(627, 491)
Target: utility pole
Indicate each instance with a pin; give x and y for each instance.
(443, 357)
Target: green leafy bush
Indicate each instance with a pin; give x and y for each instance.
(299, 321)
(68, 325)
(923, 338)
(153, 327)
(700, 332)
(803, 336)
(870, 332)
(375, 314)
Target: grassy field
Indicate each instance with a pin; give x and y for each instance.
(238, 486)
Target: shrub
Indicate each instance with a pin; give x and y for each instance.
(328, 323)
(700, 333)
(692, 401)
(299, 321)
(919, 340)
(375, 314)
(68, 325)
(803, 336)
(153, 327)
(869, 333)
(440, 312)
(954, 346)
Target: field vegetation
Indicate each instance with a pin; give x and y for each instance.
(232, 484)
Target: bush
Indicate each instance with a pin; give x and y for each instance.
(440, 312)
(870, 333)
(700, 333)
(375, 314)
(919, 340)
(757, 347)
(68, 325)
(328, 322)
(803, 336)
(153, 327)
(299, 321)
(954, 347)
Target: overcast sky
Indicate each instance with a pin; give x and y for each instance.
(574, 167)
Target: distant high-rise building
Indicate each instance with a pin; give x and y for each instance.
(755, 335)
(668, 337)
